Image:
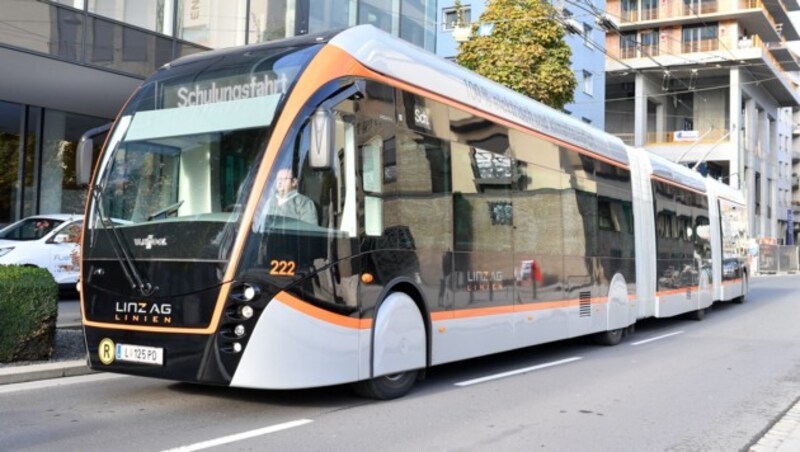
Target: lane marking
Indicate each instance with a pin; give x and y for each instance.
(56, 382)
(517, 372)
(241, 436)
(657, 338)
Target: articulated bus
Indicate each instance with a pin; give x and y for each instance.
(348, 208)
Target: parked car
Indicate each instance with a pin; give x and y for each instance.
(45, 241)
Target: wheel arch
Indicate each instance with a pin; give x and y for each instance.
(409, 287)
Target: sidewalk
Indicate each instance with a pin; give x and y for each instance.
(69, 355)
(784, 436)
(43, 371)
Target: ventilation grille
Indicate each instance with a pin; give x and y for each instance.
(585, 304)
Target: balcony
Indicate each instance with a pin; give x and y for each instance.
(769, 20)
(643, 14)
(795, 181)
(678, 55)
(702, 45)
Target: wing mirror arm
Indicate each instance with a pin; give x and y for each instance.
(85, 152)
(323, 126)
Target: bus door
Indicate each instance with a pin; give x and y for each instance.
(483, 219)
(539, 199)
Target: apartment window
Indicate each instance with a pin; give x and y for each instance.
(649, 40)
(700, 38)
(630, 9)
(451, 19)
(649, 9)
(587, 35)
(588, 83)
(627, 44)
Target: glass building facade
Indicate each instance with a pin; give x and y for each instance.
(69, 65)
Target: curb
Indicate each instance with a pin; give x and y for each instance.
(34, 372)
(784, 435)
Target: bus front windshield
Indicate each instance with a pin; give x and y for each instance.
(180, 163)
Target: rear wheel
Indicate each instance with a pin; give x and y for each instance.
(387, 387)
(697, 315)
(740, 298)
(612, 337)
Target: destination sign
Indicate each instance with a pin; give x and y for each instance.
(225, 90)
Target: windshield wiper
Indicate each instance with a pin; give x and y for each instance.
(128, 268)
(163, 213)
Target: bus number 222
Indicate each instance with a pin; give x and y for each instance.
(282, 268)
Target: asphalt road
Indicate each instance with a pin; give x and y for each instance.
(69, 313)
(674, 385)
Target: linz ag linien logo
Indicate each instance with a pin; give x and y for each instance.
(149, 242)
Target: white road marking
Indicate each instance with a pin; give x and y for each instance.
(56, 382)
(517, 372)
(241, 436)
(657, 338)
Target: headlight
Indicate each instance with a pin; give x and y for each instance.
(4, 251)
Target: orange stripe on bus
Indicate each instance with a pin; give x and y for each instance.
(508, 309)
(147, 329)
(677, 291)
(481, 312)
(677, 184)
(90, 201)
(321, 314)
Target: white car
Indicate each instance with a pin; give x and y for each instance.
(45, 241)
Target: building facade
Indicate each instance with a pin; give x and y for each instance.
(794, 224)
(706, 83)
(587, 44)
(69, 65)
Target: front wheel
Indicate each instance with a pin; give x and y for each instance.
(387, 387)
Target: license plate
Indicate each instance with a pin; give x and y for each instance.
(140, 354)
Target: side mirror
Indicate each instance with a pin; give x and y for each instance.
(85, 152)
(83, 160)
(323, 135)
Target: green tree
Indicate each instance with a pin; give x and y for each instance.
(525, 51)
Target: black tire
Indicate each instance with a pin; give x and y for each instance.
(609, 338)
(697, 315)
(387, 387)
(740, 299)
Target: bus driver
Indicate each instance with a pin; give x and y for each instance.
(287, 202)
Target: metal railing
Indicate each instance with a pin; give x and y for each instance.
(778, 259)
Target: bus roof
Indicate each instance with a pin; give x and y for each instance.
(725, 191)
(669, 170)
(297, 41)
(398, 59)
